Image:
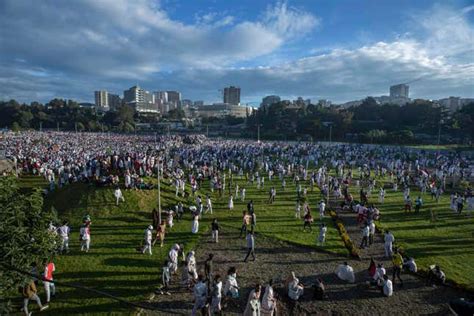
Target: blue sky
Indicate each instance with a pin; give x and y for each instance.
(337, 50)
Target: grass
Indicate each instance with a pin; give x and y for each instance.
(447, 242)
(114, 266)
(443, 147)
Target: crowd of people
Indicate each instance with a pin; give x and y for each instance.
(194, 164)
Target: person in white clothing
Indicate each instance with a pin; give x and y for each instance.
(379, 273)
(148, 238)
(381, 195)
(216, 295)
(387, 286)
(410, 265)
(191, 263)
(322, 234)
(231, 203)
(295, 288)
(200, 296)
(322, 208)
(345, 272)
(231, 287)
(269, 302)
(173, 258)
(388, 239)
(195, 226)
(118, 196)
(208, 204)
(243, 194)
(298, 210)
(63, 232)
(85, 236)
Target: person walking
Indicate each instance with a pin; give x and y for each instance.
(231, 202)
(250, 246)
(388, 243)
(208, 269)
(85, 236)
(418, 204)
(216, 297)
(365, 236)
(160, 233)
(397, 261)
(118, 195)
(208, 204)
(147, 242)
(245, 222)
(308, 219)
(49, 287)
(371, 232)
(200, 296)
(64, 232)
(322, 234)
(30, 292)
(215, 230)
(322, 209)
(195, 225)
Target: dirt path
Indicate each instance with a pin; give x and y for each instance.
(276, 259)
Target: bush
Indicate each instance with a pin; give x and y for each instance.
(353, 251)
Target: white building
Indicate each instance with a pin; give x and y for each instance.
(143, 101)
(101, 98)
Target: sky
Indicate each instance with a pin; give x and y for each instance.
(339, 50)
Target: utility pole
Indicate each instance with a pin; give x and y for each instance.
(57, 126)
(207, 130)
(41, 126)
(75, 126)
(159, 191)
(258, 133)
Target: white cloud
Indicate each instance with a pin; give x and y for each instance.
(289, 21)
(138, 37)
(53, 51)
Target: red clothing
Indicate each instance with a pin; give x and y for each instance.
(48, 271)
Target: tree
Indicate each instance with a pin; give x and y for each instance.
(24, 235)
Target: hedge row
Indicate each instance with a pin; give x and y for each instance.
(348, 243)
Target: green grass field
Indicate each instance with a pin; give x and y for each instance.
(448, 241)
(114, 266)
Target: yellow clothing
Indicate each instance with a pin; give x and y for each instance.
(397, 260)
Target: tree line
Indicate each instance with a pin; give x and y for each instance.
(370, 122)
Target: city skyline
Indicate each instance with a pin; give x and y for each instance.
(314, 49)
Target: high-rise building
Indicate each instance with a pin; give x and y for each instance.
(101, 98)
(270, 99)
(140, 99)
(174, 97)
(232, 95)
(399, 90)
(198, 103)
(114, 101)
(161, 95)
